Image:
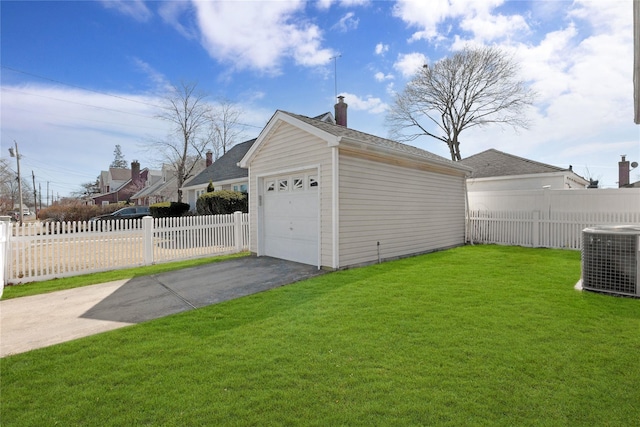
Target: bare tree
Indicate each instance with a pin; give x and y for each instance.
(187, 111)
(474, 87)
(87, 189)
(224, 126)
(9, 188)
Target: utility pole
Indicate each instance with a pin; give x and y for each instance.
(35, 195)
(13, 152)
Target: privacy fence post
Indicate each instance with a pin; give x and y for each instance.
(237, 230)
(147, 239)
(535, 229)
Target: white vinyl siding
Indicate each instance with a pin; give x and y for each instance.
(405, 207)
(288, 148)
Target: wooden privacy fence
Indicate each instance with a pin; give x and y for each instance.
(41, 251)
(539, 229)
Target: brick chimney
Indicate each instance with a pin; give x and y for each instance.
(623, 172)
(135, 171)
(341, 112)
(209, 158)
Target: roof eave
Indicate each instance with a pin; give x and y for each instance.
(367, 147)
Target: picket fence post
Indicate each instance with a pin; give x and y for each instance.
(4, 233)
(147, 239)
(237, 230)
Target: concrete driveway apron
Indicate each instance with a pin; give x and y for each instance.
(38, 321)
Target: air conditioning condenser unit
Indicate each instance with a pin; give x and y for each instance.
(611, 259)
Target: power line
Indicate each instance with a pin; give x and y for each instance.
(79, 103)
(100, 93)
(79, 87)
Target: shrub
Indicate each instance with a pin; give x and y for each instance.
(168, 209)
(76, 211)
(222, 202)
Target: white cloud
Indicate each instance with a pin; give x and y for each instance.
(172, 12)
(427, 16)
(369, 103)
(487, 28)
(326, 4)
(435, 20)
(380, 77)
(347, 22)
(159, 80)
(136, 9)
(409, 64)
(275, 33)
(381, 48)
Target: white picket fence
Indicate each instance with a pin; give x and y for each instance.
(561, 230)
(41, 251)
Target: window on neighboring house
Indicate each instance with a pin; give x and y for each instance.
(243, 188)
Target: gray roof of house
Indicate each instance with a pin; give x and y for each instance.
(225, 168)
(373, 140)
(492, 163)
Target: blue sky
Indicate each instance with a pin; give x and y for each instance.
(78, 77)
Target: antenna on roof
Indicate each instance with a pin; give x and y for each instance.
(335, 73)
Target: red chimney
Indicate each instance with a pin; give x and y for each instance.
(623, 172)
(341, 112)
(209, 158)
(135, 171)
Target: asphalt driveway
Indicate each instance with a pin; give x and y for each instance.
(38, 321)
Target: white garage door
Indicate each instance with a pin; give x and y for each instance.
(290, 222)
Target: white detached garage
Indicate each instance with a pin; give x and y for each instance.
(326, 195)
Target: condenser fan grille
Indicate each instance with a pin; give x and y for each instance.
(610, 261)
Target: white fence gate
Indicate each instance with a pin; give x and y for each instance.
(41, 251)
(547, 218)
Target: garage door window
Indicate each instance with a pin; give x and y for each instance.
(313, 182)
(298, 184)
(283, 185)
(271, 186)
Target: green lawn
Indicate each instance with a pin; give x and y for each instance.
(482, 335)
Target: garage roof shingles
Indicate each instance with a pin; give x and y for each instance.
(492, 163)
(345, 132)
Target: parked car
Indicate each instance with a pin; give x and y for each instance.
(130, 212)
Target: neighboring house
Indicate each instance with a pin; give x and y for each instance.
(224, 173)
(326, 195)
(495, 170)
(624, 170)
(156, 189)
(118, 185)
(163, 187)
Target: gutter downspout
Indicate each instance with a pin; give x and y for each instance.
(335, 217)
(467, 223)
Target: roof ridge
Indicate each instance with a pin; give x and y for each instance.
(346, 131)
